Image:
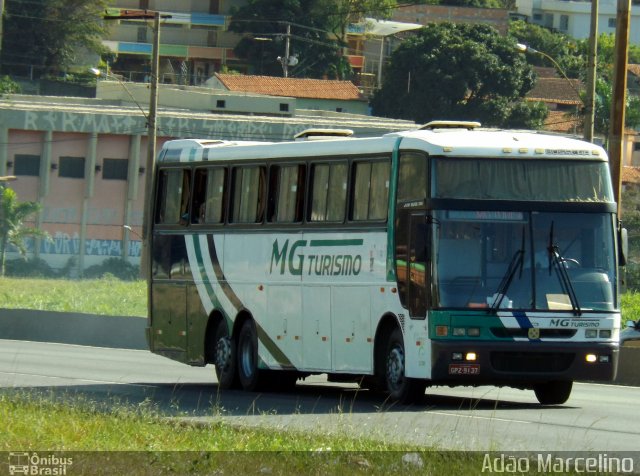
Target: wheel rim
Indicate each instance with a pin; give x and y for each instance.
(395, 368)
(223, 353)
(247, 357)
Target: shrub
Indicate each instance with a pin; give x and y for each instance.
(116, 267)
(29, 268)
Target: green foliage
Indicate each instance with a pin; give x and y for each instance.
(13, 230)
(565, 50)
(263, 25)
(52, 34)
(116, 267)
(8, 86)
(29, 268)
(457, 71)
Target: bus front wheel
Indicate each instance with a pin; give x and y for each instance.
(248, 373)
(225, 357)
(399, 386)
(553, 393)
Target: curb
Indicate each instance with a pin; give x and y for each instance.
(120, 332)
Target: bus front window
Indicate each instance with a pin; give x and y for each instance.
(489, 259)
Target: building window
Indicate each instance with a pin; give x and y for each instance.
(612, 22)
(71, 167)
(115, 169)
(221, 103)
(284, 107)
(564, 22)
(142, 34)
(27, 165)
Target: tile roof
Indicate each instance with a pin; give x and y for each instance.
(555, 90)
(634, 69)
(292, 87)
(630, 174)
(562, 121)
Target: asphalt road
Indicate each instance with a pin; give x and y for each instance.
(596, 417)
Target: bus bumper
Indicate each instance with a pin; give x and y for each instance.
(522, 364)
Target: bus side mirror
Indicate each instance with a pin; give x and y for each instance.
(623, 246)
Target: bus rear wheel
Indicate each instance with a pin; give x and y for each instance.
(398, 385)
(225, 357)
(250, 376)
(553, 393)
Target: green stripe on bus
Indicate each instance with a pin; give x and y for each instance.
(205, 280)
(354, 242)
(391, 219)
(273, 349)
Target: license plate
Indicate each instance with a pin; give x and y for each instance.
(464, 369)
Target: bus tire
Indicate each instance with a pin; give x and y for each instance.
(400, 387)
(553, 393)
(249, 374)
(225, 357)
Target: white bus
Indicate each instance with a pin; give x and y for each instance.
(449, 255)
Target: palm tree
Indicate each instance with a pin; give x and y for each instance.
(13, 231)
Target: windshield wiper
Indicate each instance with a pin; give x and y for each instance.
(557, 261)
(515, 264)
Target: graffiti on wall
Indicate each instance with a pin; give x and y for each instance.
(65, 244)
(237, 129)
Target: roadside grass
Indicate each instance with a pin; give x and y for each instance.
(37, 422)
(106, 296)
(112, 297)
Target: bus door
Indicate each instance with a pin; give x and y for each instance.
(417, 265)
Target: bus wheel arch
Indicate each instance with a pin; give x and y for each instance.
(390, 365)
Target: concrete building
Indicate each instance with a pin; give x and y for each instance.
(84, 159)
(573, 17)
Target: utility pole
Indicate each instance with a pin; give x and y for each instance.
(590, 110)
(616, 132)
(150, 166)
(287, 44)
(151, 151)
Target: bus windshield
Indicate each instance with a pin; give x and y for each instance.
(539, 180)
(524, 260)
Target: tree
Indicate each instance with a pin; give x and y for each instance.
(318, 32)
(51, 34)
(567, 52)
(603, 102)
(450, 71)
(13, 230)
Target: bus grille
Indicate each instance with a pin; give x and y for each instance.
(531, 362)
(505, 333)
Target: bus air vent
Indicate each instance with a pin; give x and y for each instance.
(323, 134)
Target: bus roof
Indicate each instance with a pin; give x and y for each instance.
(454, 142)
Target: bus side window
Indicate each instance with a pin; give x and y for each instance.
(328, 192)
(412, 177)
(248, 194)
(370, 191)
(173, 197)
(209, 196)
(286, 193)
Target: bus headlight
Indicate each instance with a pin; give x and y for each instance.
(591, 358)
(470, 356)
